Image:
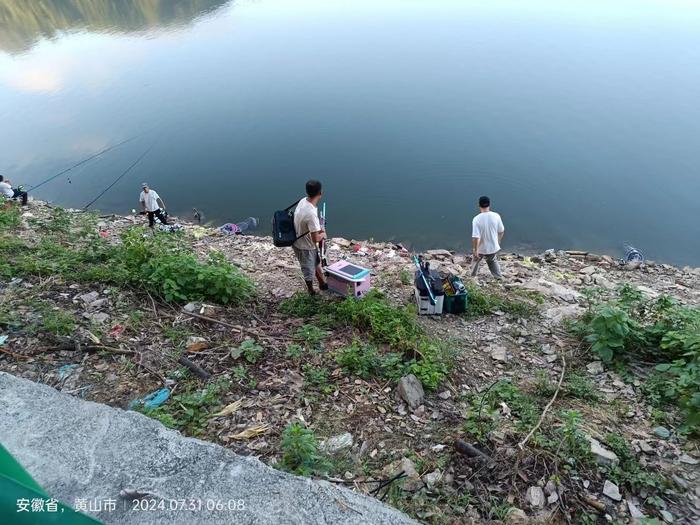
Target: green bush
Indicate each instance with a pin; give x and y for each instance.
(661, 331)
(366, 361)
(481, 303)
(249, 349)
(166, 267)
(9, 215)
(383, 322)
(300, 453)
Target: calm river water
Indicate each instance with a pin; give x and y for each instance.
(581, 119)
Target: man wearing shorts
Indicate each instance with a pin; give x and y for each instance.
(308, 227)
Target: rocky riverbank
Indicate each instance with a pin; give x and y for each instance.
(601, 450)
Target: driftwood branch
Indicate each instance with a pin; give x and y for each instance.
(212, 320)
(549, 405)
(196, 369)
(471, 451)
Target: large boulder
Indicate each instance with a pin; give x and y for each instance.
(81, 450)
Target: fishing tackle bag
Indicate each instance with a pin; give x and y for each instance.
(283, 232)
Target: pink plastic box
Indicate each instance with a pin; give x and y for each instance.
(349, 280)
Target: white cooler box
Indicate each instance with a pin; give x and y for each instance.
(424, 306)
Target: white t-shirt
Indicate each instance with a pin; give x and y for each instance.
(306, 220)
(6, 190)
(150, 199)
(486, 227)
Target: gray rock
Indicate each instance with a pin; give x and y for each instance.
(688, 460)
(79, 449)
(602, 455)
(552, 498)
(558, 313)
(595, 368)
(588, 270)
(411, 391)
(337, 443)
(88, 298)
(499, 353)
(191, 307)
(517, 516)
(550, 488)
(646, 447)
(439, 253)
(612, 491)
(412, 482)
(99, 303)
(635, 513)
(535, 497)
(662, 432)
(648, 293)
(193, 340)
(431, 479)
(667, 516)
(97, 317)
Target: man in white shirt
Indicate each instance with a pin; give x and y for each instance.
(149, 203)
(9, 192)
(487, 233)
(308, 228)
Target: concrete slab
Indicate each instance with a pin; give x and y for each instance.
(89, 453)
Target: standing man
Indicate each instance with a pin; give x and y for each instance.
(308, 227)
(9, 192)
(487, 233)
(149, 202)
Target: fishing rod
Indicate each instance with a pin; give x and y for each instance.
(127, 170)
(84, 161)
(323, 245)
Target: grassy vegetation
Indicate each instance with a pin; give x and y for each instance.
(300, 452)
(509, 411)
(662, 331)
(396, 343)
(190, 411)
(164, 264)
(481, 303)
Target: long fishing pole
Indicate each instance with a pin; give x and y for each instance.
(127, 170)
(84, 161)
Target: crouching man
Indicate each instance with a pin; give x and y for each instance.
(9, 192)
(150, 200)
(308, 228)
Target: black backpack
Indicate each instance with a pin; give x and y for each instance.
(283, 232)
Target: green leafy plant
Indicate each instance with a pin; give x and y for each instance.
(576, 448)
(311, 335)
(295, 351)
(239, 373)
(10, 216)
(300, 452)
(660, 330)
(250, 350)
(57, 322)
(629, 472)
(165, 266)
(317, 377)
(366, 361)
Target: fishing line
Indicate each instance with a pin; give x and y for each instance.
(84, 161)
(127, 170)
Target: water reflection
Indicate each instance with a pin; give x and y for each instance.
(25, 22)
